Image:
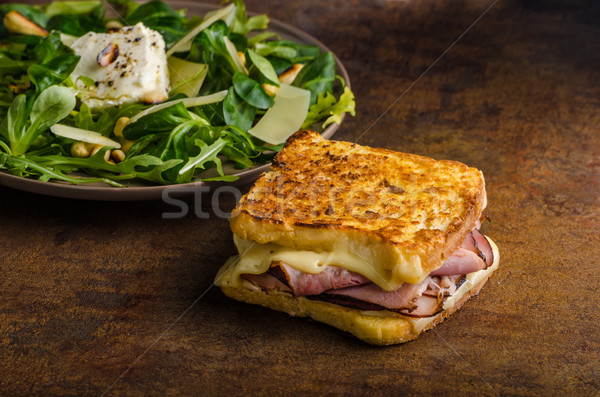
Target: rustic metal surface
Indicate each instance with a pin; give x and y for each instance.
(86, 288)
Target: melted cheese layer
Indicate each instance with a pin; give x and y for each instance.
(256, 258)
(250, 262)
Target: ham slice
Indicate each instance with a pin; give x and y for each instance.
(461, 262)
(474, 254)
(266, 281)
(408, 300)
(484, 247)
(402, 298)
(332, 277)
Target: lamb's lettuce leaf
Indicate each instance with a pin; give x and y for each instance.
(76, 18)
(161, 17)
(210, 49)
(69, 7)
(317, 76)
(55, 62)
(237, 111)
(242, 24)
(76, 25)
(23, 127)
(288, 50)
(261, 69)
(251, 91)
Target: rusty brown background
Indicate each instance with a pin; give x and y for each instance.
(91, 289)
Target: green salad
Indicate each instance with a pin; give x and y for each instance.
(152, 94)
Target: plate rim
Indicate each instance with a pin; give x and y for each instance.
(154, 192)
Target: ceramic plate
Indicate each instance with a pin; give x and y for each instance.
(140, 191)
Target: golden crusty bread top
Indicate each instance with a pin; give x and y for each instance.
(409, 211)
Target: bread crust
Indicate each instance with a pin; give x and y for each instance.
(410, 211)
(373, 329)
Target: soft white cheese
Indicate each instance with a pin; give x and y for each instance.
(138, 74)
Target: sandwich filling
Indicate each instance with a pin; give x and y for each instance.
(343, 278)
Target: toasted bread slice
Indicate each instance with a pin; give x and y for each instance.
(376, 328)
(403, 212)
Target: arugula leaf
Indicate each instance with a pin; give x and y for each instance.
(237, 156)
(58, 161)
(222, 178)
(175, 146)
(156, 173)
(138, 163)
(148, 167)
(144, 166)
(161, 121)
(44, 173)
(317, 76)
(147, 143)
(208, 153)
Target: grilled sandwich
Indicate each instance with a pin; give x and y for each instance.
(377, 243)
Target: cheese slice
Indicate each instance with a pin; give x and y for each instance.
(256, 259)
